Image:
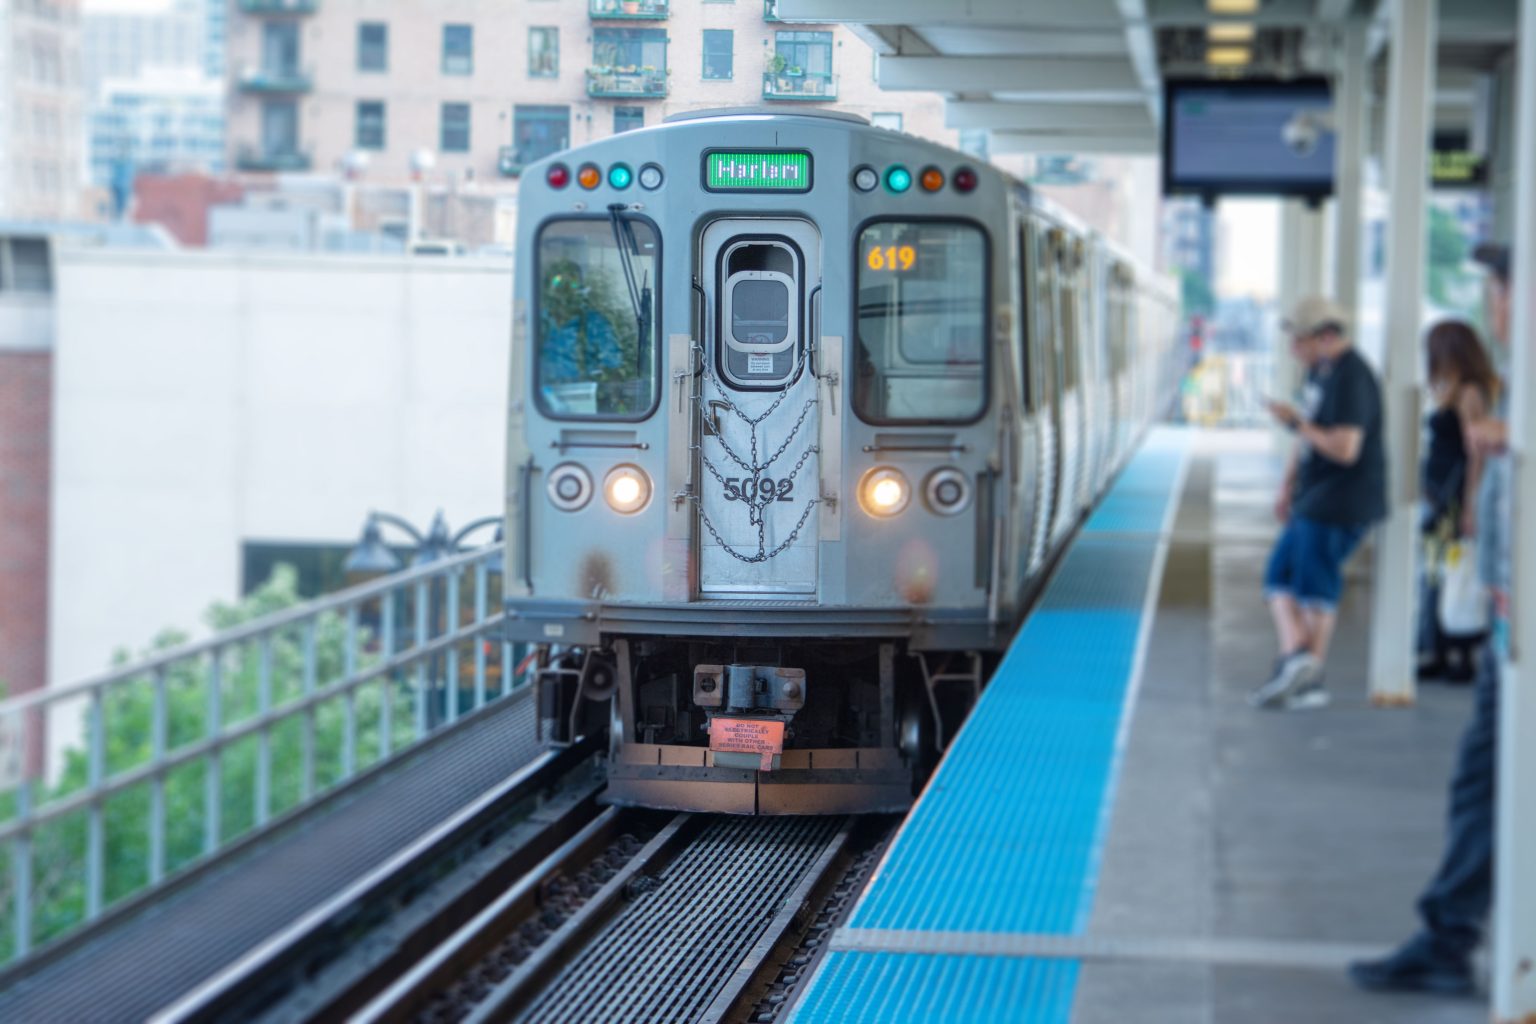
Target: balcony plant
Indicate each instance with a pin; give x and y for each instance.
(631, 6)
(777, 63)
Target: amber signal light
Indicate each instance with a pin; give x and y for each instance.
(932, 179)
(589, 177)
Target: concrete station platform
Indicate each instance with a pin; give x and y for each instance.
(1171, 854)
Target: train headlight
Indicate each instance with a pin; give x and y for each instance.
(947, 491)
(627, 489)
(569, 487)
(884, 491)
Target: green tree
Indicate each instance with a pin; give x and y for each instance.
(58, 893)
(1447, 254)
(1196, 293)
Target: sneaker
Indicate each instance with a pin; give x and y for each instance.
(1291, 672)
(1416, 967)
(1308, 694)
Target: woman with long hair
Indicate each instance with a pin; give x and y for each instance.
(1464, 386)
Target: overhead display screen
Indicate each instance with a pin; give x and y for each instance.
(757, 171)
(1249, 137)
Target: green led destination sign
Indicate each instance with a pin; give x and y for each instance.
(771, 171)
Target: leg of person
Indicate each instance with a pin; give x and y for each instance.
(1429, 643)
(1455, 905)
(1290, 624)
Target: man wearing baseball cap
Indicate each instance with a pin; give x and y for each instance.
(1454, 906)
(1335, 488)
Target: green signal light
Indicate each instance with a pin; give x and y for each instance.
(898, 179)
(620, 176)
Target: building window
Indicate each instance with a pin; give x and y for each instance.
(372, 46)
(455, 129)
(627, 50)
(24, 265)
(625, 118)
(543, 53)
(370, 124)
(718, 53)
(458, 49)
(538, 132)
(805, 53)
(886, 119)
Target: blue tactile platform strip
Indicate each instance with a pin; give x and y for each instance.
(1008, 834)
(891, 987)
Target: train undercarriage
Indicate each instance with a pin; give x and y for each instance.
(759, 726)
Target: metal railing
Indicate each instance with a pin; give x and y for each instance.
(784, 85)
(122, 781)
(622, 10)
(279, 6)
(253, 159)
(276, 79)
(623, 82)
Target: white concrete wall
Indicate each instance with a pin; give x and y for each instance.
(206, 399)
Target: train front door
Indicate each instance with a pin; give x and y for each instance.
(758, 474)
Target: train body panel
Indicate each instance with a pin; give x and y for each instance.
(792, 435)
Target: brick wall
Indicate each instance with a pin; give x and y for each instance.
(26, 390)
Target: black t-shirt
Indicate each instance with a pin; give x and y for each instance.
(1341, 393)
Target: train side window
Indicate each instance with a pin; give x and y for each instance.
(1026, 323)
(922, 322)
(1045, 316)
(596, 322)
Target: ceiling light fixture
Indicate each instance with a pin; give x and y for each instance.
(1228, 56)
(1230, 32)
(1232, 6)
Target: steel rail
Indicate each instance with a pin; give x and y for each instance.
(216, 997)
(518, 989)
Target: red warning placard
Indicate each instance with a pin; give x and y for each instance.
(748, 736)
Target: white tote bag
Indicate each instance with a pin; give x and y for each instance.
(1463, 598)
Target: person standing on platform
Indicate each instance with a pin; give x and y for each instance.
(1335, 488)
(1464, 385)
(1454, 906)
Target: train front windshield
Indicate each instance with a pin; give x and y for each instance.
(597, 321)
(921, 322)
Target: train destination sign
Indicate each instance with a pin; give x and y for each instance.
(757, 171)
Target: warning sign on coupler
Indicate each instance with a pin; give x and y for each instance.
(763, 737)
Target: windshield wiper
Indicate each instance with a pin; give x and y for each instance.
(639, 292)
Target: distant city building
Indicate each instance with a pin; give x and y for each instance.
(160, 120)
(1189, 251)
(121, 42)
(486, 87)
(181, 203)
(41, 110)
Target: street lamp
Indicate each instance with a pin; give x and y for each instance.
(373, 556)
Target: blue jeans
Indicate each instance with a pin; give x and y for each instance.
(1456, 903)
(1307, 562)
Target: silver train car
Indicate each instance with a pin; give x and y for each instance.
(801, 410)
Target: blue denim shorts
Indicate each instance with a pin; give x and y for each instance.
(1308, 562)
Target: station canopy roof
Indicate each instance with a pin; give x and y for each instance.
(1085, 76)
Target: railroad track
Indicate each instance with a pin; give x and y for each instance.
(536, 904)
(702, 921)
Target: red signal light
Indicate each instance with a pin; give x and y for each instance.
(559, 176)
(965, 180)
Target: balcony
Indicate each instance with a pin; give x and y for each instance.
(628, 10)
(251, 158)
(787, 85)
(626, 83)
(275, 80)
(771, 11)
(278, 7)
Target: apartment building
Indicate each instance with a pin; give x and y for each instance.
(41, 110)
(470, 92)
